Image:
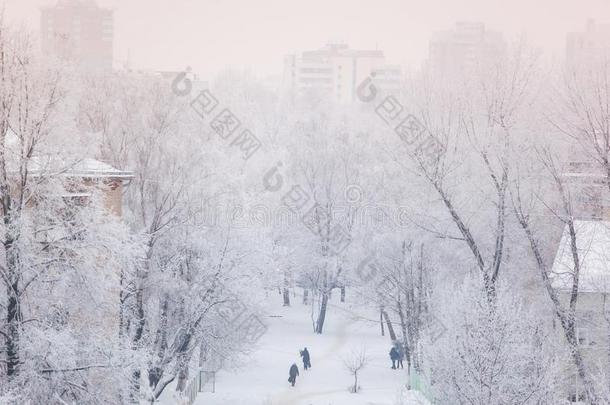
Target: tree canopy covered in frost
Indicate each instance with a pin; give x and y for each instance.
(452, 245)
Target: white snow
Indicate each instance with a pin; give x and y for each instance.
(262, 378)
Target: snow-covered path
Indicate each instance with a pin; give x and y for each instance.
(262, 380)
(308, 386)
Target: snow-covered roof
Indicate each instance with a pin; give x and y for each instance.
(95, 167)
(87, 167)
(593, 247)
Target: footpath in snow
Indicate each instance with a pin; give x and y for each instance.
(262, 378)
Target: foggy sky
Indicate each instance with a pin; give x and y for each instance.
(210, 35)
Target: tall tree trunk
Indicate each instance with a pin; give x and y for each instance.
(381, 322)
(286, 291)
(137, 336)
(183, 375)
(12, 336)
(182, 344)
(160, 343)
(13, 312)
(305, 296)
(322, 314)
(122, 306)
(203, 353)
(140, 321)
(583, 373)
(124, 395)
(405, 340)
(389, 324)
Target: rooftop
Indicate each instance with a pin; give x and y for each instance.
(86, 167)
(342, 50)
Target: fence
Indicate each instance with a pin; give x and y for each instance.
(198, 384)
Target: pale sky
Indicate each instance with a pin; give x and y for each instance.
(210, 35)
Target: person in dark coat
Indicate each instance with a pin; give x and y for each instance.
(401, 356)
(306, 358)
(294, 372)
(394, 357)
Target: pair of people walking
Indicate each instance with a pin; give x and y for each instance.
(293, 373)
(397, 355)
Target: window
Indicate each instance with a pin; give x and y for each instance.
(584, 336)
(576, 397)
(576, 393)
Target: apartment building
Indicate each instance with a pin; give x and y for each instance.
(587, 54)
(463, 48)
(593, 309)
(80, 32)
(336, 70)
(588, 45)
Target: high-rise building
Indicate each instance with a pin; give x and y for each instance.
(584, 46)
(78, 31)
(336, 71)
(464, 48)
(587, 52)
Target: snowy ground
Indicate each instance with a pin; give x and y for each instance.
(262, 379)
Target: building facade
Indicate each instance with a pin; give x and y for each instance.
(336, 71)
(588, 186)
(78, 31)
(83, 178)
(587, 55)
(593, 310)
(586, 46)
(90, 173)
(463, 48)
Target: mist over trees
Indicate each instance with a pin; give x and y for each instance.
(452, 245)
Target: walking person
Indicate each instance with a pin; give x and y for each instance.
(401, 356)
(394, 357)
(306, 358)
(293, 373)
